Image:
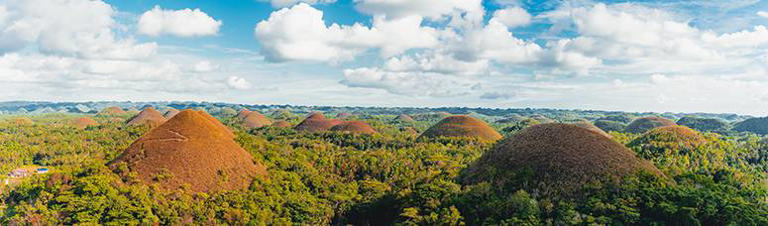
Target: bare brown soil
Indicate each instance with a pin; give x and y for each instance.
(317, 122)
(562, 158)
(83, 122)
(256, 120)
(190, 149)
(149, 116)
(462, 126)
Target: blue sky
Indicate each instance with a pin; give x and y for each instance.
(679, 56)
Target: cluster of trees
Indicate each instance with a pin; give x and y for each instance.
(386, 178)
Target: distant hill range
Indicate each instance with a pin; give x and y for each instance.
(488, 114)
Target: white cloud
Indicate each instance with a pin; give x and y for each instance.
(286, 3)
(204, 66)
(512, 17)
(494, 41)
(436, 63)
(238, 83)
(184, 23)
(68, 27)
(431, 9)
(71, 49)
(637, 40)
(762, 14)
(299, 33)
(408, 82)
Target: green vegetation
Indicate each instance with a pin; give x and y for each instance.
(609, 126)
(390, 177)
(753, 125)
(704, 124)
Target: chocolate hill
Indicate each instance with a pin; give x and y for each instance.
(281, 124)
(256, 120)
(170, 113)
(317, 122)
(753, 125)
(640, 125)
(149, 116)
(404, 118)
(190, 149)
(243, 113)
(354, 127)
(593, 128)
(555, 158)
(83, 122)
(315, 115)
(462, 126)
(112, 111)
(667, 140)
(216, 122)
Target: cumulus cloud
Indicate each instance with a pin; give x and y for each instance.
(71, 49)
(644, 40)
(89, 75)
(286, 3)
(68, 27)
(407, 82)
(238, 83)
(184, 23)
(431, 9)
(762, 14)
(299, 33)
(495, 42)
(204, 66)
(512, 17)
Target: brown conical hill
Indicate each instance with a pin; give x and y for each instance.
(112, 111)
(556, 158)
(83, 122)
(256, 120)
(316, 122)
(281, 124)
(216, 122)
(462, 126)
(404, 118)
(316, 115)
(354, 127)
(641, 125)
(591, 127)
(148, 116)
(170, 113)
(243, 113)
(190, 149)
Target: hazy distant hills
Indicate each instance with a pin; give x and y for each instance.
(43, 107)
